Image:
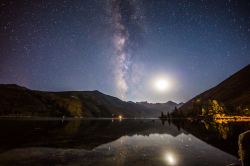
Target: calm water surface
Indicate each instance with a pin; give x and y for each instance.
(113, 142)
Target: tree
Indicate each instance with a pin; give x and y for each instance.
(214, 107)
(168, 115)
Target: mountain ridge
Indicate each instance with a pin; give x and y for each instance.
(169, 105)
(21, 101)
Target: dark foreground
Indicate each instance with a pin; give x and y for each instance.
(118, 142)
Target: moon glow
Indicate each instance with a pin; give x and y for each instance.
(161, 84)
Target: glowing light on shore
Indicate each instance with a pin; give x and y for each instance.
(222, 118)
(120, 117)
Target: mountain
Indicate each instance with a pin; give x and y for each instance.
(232, 96)
(20, 101)
(164, 107)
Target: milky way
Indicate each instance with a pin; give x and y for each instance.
(119, 46)
(126, 21)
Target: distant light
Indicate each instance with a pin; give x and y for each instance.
(170, 159)
(120, 117)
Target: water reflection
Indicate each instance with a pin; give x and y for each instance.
(126, 142)
(154, 149)
(170, 158)
(221, 135)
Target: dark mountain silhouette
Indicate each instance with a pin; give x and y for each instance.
(164, 107)
(233, 94)
(20, 101)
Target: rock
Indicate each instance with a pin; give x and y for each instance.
(244, 148)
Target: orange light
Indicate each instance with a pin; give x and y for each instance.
(221, 118)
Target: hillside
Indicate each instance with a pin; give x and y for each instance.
(20, 101)
(232, 96)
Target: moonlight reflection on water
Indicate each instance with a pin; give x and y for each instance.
(170, 158)
(103, 142)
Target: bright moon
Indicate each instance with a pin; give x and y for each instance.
(162, 84)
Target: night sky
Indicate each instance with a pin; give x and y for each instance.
(120, 46)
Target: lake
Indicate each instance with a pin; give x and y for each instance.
(49, 141)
